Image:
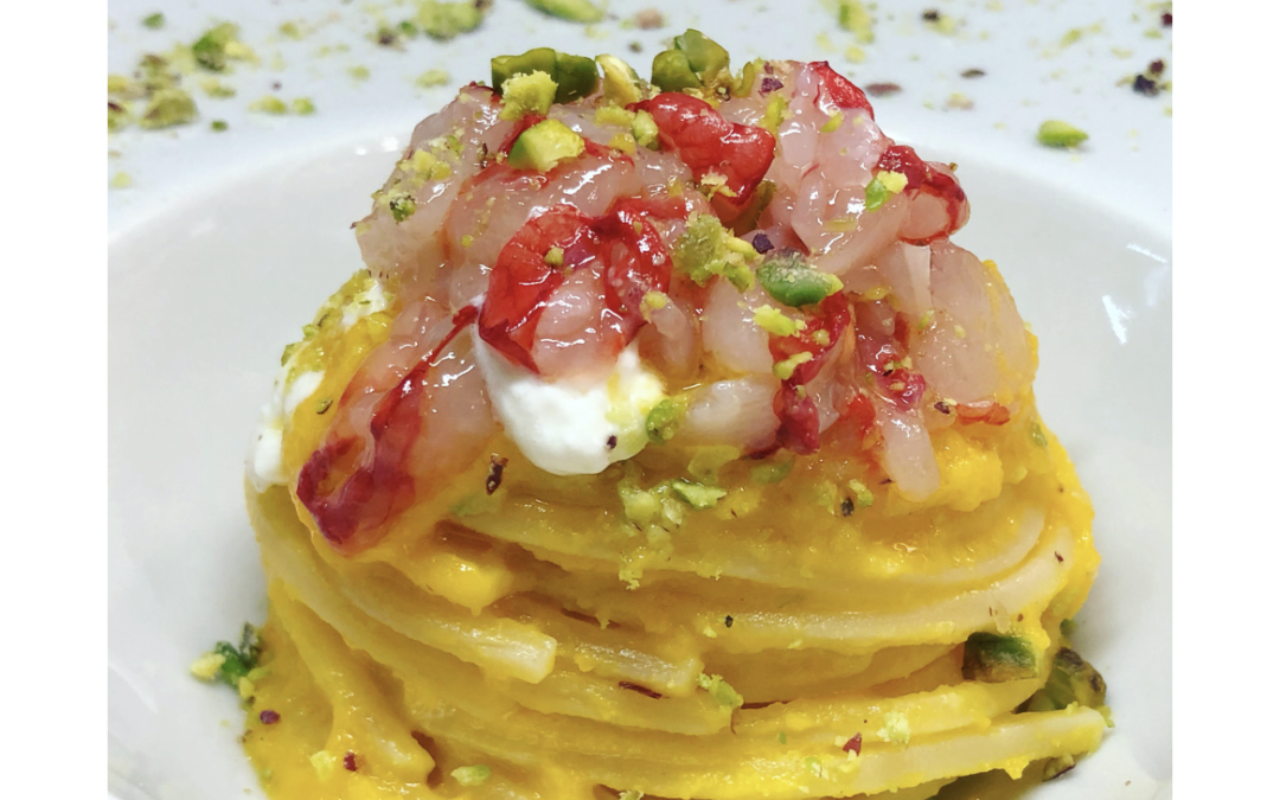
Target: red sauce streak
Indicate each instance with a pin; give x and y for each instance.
(836, 92)
(634, 262)
(798, 431)
(707, 142)
(923, 178)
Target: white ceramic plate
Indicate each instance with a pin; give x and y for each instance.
(228, 242)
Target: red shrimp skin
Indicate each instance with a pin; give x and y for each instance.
(707, 142)
(799, 428)
(836, 92)
(634, 262)
(921, 177)
(378, 488)
(522, 281)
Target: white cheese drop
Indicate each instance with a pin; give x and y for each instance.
(566, 429)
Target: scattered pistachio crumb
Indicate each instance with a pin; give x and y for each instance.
(206, 666)
(154, 21)
(121, 180)
(269, 104)
(854, 17)
(777, 323)
(720, 690)
(783, 370)
(324, 764)
(571, 10)
(432, 77)
(896, 728)
(1056, 133)
(862, 496)
(303, 106)
(360, 72)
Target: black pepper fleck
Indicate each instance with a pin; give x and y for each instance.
(942, 408)
(931, 15)
(611, 442)
(1156, 67)
(1058, 556)
(761, 243)
(728, 620)
(1144, 85)
(846, 507)
(973, 73)
(275, 86)
(644, 690)
(493, 480)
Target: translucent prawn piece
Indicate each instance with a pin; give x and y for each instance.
(977, 348)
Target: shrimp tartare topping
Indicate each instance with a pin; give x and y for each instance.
(775, 271)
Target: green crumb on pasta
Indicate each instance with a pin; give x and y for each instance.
(166, 108)
(270, 104)
(697, 495)
(720, 690)
(153, 21)
(471, 776)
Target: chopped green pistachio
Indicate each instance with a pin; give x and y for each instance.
(554, 257)
(575, 76)
(402, 206)
(708, 461)
(270, 104)
(323, 405)
(218, 125)
(746, 80)
(707, 249)
(926, 321)
(855, 18)
(621, 83)
(360, 72)
(236, 662)
(447, 20)
(1056, 133)
(545, 145)
(408, 28)
(1056, 766)
(697, 495)
(862, 496)
(571, 10)
(814, 765)
(612, 114)
(993, 658)
(782, 737)
(1072, 680)
(210, 50)
(694, 61)
(833, 123)
(121, 180)
(777, 323)
(471, 776)
(1068, 627)
(774, 113)
(749, 217)
(216, 88)
(789, 279)
(120, 84)
(783, 370)
(531, 93)
(720, 690)
(663, 420)
(1037, 435)
(433, 77)
(290, 30)
(168, 107)
(645, 130)
(302, 105)
(772, 472)
(117, 116)
(854, 54)
(324, 763)
(894, 182)
(154, 21)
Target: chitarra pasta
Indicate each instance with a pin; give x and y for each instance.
(666, 446)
